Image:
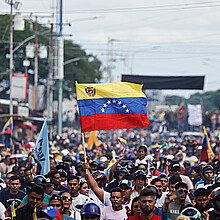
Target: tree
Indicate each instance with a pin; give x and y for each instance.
(85, 70)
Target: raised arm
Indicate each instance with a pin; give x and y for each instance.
(111, 176)
(92, 183)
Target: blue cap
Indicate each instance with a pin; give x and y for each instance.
(52, 212)
(125, 182)
(163, 175)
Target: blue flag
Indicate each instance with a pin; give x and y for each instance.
(41, 149)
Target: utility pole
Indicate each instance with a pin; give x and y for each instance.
(60, 70)
(50, 81)
(36, 55)
(11, 56)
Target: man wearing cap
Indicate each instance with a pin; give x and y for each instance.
(126, 187)
(116, 210)
(139, 183)
(165, 181)
(175, 171)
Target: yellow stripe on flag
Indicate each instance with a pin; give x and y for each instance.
(108, 90)
(35, 214)
(211, 153)
(13, 213)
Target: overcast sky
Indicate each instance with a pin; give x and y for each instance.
(153, 37)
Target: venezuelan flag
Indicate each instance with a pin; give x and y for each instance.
(123, 142)
(105, 106)
(181, 106)
(7, 129)
(207, 152)
(155, 148)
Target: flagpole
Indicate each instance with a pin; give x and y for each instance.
(84, 149)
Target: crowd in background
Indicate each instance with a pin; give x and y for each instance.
(138, 182)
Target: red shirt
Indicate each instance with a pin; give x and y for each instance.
(138, 217)
(157, 173)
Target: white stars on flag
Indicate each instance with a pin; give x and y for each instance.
(114, 103)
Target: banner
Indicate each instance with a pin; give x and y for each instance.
(41, 149)
(195, 115)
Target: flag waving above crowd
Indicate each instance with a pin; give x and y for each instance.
(111, 106)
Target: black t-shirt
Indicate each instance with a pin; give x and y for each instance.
(25, 212)
(7, 198)
(213, 216)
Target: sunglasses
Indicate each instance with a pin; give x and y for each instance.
(55, 205)
(65, 198)
(142, 169)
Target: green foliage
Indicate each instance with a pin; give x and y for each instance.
(85, 70)
(210, 101)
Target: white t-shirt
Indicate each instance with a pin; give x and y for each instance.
(79, 200)
(147, 159)
(109, 214)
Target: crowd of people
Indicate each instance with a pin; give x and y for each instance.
(110, 182)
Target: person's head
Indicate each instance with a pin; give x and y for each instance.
(40, 181)
(173, 180)
(35, 196)
(67, 199)
(90, 211)
(147, 201)
(49, 186)
(57, 202)
(122, 172)
(28, 175)
(142, 150)
(84, 188)
(175, 169)
(8, 175)
(116, 198)
(184, 187)
(208, 172)
(135, 206)
(14, 184)
(100, 178)
(79, 167)
(21, 170)
(201, 198)
(215, 198)
(157, 182)
(164, 179)
(73, 184)
(143, 167)
(63, 175)
(195, 172)
(139, 179)
(126, 187)
(55, 176)
(94, 165)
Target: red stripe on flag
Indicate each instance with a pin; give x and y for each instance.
(113, 121)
